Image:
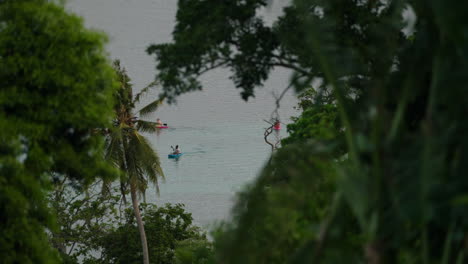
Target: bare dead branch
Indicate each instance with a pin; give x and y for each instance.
(267, 132)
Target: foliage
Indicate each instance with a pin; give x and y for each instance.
(319, 122)
(92, 231)
(194, 251)
(48, 58)
(130, 152)
(210, 30)
(282, 210)
(232, 35)
(126, 148)
(165, 227)
(401, 181)
(314, 96)
(55, 88)
(23, 211)
(83, 215)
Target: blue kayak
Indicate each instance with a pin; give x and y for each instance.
(173, 156)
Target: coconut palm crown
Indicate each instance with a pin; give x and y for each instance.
(126, 148)
(130, 152)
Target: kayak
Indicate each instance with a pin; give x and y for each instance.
(173, 156)
(276, 128)
(162, 127)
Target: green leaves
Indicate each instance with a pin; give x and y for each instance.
(126, 148)
(165, 226)
(151, 107)
(283, 210)
(194, 251)
(385, 129)
(84, 215)
(318, 122)
(55, 89)
(23, 210)
(212, 34)
(56, 84)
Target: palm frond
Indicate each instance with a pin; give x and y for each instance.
(131, 159)
(114, 151)
(141, 186)
(151, 107)
(148, 156)
(144, 91)
(146, 126)
(148, 168)
(126, 149)
(106, 187)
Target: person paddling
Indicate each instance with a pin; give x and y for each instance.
(176, 150)
(160, 124)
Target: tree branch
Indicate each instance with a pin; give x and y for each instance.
(212, 67)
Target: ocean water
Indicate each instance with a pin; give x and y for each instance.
(220, 135)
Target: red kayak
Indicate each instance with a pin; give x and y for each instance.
(162, 127)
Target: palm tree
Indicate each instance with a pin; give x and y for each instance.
(130, 152)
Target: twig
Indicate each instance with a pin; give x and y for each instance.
(267, 132)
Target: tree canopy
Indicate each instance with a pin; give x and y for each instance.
(401, 108)
(211, 34)
(166, 226)
(23, 212)
(56, 86)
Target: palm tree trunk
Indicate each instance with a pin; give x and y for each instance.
(141, 228)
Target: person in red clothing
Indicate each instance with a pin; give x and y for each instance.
(277, 125)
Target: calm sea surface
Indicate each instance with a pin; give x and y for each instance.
(221, 135)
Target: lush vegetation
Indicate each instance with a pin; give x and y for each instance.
(94, 230)
(131, 153)
(84, 215)
(166, 228)
(389, 142)
(47, 58)
(373, 170)
(319, 120)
